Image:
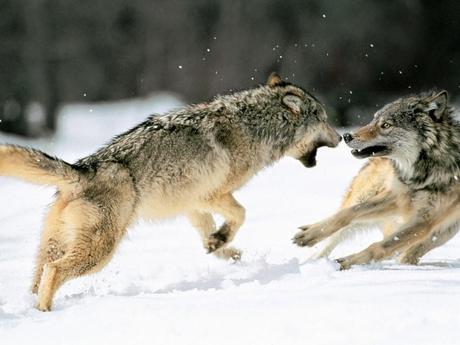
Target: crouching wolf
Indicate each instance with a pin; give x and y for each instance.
(186, 162)
(411, 186)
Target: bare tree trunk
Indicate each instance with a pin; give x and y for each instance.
(15, 92)
(41, 65)
(53, 97)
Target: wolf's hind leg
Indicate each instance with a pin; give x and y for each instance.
(388, 228)
(52, 244)
(204, 223)
(378, 251)
(87, 255)
(435, 239)
(234, 215)
(93, 232)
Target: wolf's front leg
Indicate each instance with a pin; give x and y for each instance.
(234, 215)
(312, 234)
(374, 209)
(204, 223)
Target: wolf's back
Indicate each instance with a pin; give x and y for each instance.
(35, 166)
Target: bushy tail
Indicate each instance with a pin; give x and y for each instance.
(35, 166)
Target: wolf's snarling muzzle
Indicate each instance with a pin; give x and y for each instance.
(362, 149)
(309, 159)
(330, 139)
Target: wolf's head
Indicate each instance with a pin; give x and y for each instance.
(309, 118)
(400, 129)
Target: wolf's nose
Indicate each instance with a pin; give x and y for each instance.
(347, 137)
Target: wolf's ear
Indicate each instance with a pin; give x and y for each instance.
(436, 105)
(274, 80)
(294, 103)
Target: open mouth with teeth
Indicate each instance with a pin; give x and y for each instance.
(371, 151)
(309, 159)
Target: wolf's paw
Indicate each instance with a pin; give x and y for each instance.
(344, 263)
(216, 240)
(352, 260)
(413, 254)
(409, 259)
(234, 254)
(229, 253)
(309, 236)
(373, 253)
(43, 306)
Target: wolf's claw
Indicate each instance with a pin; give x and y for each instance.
(236, 255)
(44, 308)
(344, 264)
(305, 238)
(216, 240)
(229, 253)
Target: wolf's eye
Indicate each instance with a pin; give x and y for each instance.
(385, 125)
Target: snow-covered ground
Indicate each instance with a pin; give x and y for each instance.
(161, 288)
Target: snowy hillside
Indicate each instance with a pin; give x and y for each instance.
(161, 288)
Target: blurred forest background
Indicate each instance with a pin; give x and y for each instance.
(353, 55)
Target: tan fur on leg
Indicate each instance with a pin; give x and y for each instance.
(370, 210)
(204, 223)
(84, 258)
(402, 240)
(435, 239)
(51, 244)
(90, 233)
(47, 288)
(234, 215)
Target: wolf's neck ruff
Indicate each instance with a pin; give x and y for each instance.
(262, 104)
(437, 164)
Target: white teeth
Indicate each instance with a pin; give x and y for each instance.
(359, 150)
